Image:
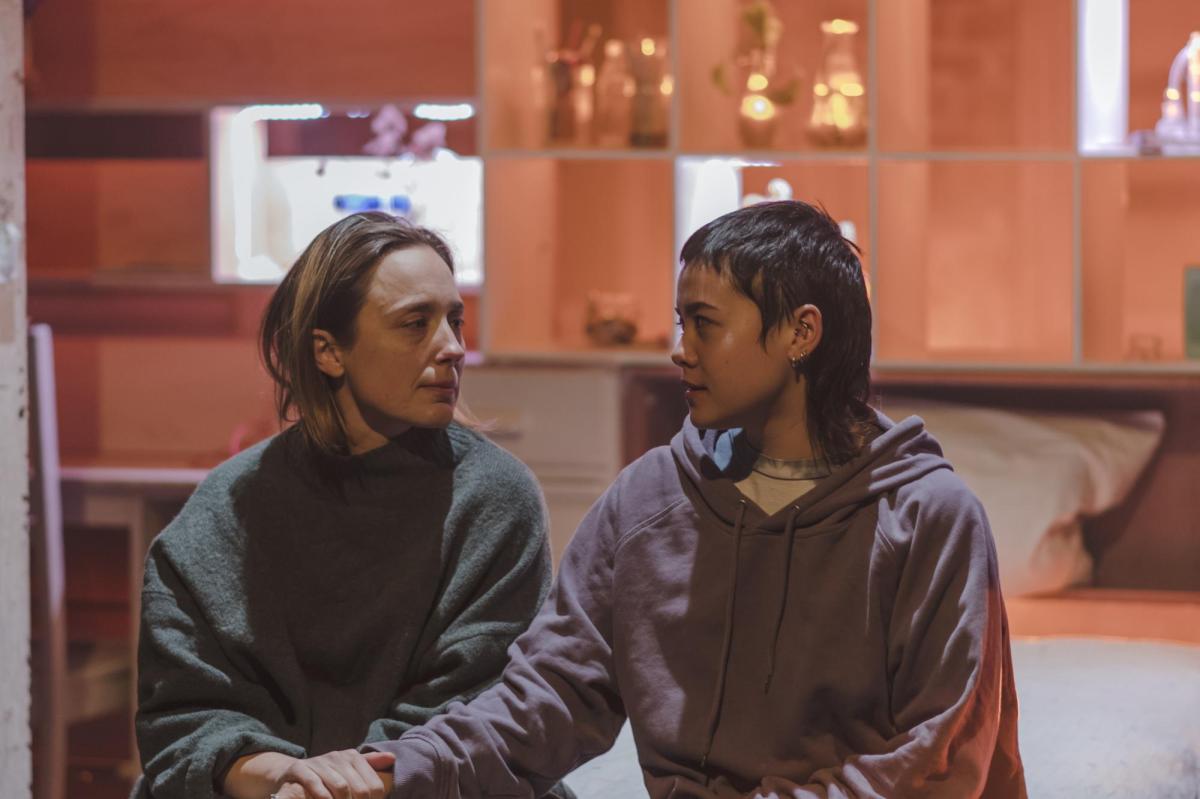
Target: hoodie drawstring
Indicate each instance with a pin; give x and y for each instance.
(714, 716)
(787, 581)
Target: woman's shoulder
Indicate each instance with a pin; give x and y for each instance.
(940, 492)
(940, 510)
(476, 454)
(211, 510)
(265, 461)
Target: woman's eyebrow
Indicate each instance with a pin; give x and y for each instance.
(423, 305)
(692, 308)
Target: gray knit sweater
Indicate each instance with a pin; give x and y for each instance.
(301, 612)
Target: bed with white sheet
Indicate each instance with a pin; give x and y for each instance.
(1092, 487)
(1109, 717)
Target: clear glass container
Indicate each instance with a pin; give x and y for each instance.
(839, 111)
(653, 87)
(614, 97)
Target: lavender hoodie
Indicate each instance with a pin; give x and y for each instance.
(854, 644)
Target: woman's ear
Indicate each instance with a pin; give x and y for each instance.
(327, 354)
(806, 332)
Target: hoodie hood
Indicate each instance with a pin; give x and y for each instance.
(900, 454)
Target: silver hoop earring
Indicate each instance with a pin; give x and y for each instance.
(798, 362)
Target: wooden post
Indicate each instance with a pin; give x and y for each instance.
(15, 763)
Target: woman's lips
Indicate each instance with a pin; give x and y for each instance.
(443, 391)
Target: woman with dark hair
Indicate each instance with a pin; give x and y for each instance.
(796, 598)
(350, 577)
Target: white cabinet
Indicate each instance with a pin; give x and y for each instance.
(563, 422)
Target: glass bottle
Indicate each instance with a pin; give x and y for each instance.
(614, 97)
(653, 86)
(839, 110)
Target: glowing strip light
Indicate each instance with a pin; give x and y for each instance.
(282, 113)
(735, 162)
(438, 112)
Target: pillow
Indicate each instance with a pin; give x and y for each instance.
(1036, 474)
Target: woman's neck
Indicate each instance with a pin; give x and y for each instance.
(783, 432)
(361, 436)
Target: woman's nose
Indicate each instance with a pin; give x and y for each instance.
(679, 356)
(450, 347)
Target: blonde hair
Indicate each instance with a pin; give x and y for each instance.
(324, 290)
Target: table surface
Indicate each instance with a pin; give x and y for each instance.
(136, 469)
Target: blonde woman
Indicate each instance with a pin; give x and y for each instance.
(350, 577)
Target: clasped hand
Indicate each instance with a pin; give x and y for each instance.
(338, 775)
(345, 774)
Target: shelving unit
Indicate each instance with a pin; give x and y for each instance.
(574, 226)
(995, 236)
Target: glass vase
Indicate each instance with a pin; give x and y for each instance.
(839, 110)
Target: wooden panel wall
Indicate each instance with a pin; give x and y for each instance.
(117, 214)
(192, 53)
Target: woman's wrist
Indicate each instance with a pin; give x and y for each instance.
(256, 776)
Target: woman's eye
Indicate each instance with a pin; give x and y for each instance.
(458, 324)
(417, 324)
(698, 323)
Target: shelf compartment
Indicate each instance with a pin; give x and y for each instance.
(1125, 52)
(708, 36)
(975, 262)
(516, 35)
(560, 229)
(1139, 236)
(989, 74)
